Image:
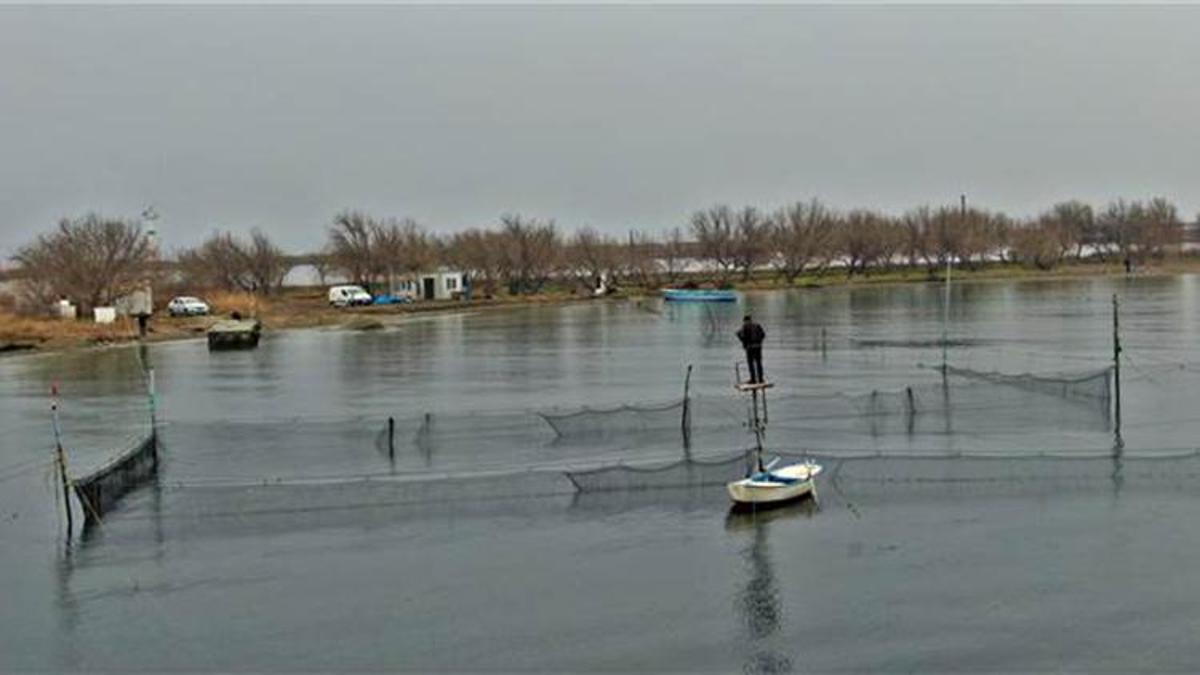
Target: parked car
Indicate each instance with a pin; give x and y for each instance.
(185, 305)
(347, 296)
(388, 299)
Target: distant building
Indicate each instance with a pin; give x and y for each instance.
(444, 284)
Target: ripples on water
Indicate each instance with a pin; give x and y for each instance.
(281, 536)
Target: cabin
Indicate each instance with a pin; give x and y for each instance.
(444, 284)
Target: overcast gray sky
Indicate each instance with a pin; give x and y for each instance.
(618, 117)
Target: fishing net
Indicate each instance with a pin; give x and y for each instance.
(99, 490)
(912, 470)
(426, 439)
(1089, 386)
(972, 403)
(621, 420)
(679, 473)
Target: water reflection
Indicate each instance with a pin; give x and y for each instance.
(760, 601)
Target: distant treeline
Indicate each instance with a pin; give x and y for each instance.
(93, 260)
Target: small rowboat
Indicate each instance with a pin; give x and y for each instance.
(698, 295)
(774, 486)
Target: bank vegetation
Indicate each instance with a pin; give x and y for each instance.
(92, 260)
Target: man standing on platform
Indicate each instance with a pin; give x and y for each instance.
(752, 335)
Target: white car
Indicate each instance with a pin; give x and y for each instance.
(186, 305)
(346, 296)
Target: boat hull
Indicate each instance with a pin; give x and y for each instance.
(775, 487)
(689, 295)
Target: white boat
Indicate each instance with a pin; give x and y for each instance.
(768, 485)
(774, 486)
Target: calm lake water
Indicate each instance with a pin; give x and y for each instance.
(280, 537)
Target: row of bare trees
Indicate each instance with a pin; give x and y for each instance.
(226, 262)
(93, 260)
(811, 237)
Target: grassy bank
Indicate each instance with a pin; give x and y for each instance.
(307, 307)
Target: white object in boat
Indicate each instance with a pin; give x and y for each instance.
(775, 485)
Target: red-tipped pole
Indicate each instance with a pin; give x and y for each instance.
(60, 457)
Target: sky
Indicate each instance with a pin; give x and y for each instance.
(617, 117)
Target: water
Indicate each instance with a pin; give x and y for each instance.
(263, 547)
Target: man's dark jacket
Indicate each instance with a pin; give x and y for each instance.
(752, 335)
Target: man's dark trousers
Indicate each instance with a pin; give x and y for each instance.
(754, 361)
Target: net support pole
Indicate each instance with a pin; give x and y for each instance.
(60, 459)
(1116, 341)
(910, 411)
(152, 394)
(685, 423)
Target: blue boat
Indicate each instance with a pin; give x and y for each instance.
(698, 295)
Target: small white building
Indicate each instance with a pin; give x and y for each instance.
(444, 284)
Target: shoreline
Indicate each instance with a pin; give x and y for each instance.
(305, 308)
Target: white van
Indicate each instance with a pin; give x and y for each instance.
(346, 296)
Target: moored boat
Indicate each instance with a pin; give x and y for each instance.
(766, 485)
(699, 295)
(774, 486)
(234, 334)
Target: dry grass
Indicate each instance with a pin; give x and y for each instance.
(246, 304)
(24, 329)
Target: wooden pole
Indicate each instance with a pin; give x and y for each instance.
(1116, 363)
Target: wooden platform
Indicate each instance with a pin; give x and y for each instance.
(753, 386)
(234, 334)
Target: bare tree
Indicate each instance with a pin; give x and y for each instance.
(480, 255)
(322, 263)
(866, 239)
(1162, 229)
(940, 241)
(265, 263)
(399, 248)
(1138, 229)
(1038, 243)
(751, 240)
(591, 256)
(350, 247)
(532, 252)
(92, 260)
(917, 225)
(1073, 225)
(227, 263)
(714, 231)
(640, 259)
(802, 236)
(674, 255)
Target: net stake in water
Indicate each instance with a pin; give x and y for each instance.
(60, 458)
(1116, 365)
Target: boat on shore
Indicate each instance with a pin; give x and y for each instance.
(699, 295)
